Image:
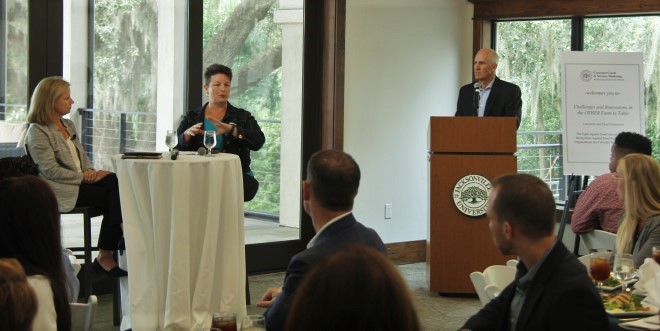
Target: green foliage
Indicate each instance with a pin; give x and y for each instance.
(530, 57)
(16, 60)
(262, 100)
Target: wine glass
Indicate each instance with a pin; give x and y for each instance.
(599, 267)
(253, 323)
(624, 269)
(656, 254)
(209, 141)
(171, 139)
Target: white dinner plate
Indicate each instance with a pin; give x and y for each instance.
(639, 313)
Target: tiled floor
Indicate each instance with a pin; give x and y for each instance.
(435, 312)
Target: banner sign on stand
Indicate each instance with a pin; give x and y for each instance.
(602, 95)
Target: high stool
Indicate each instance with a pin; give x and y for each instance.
(86, 249)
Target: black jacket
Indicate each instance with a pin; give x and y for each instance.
(560, 297)
(335, 237)
(503, 100)
(250, 136)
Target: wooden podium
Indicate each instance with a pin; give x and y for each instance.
(458, 244)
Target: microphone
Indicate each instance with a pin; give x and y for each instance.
(174, 154)
(201, 151)
(475, 99)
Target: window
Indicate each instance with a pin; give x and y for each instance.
(529, 56)
(633, 34)
(248, 37)
(13, 60)
(121, 114)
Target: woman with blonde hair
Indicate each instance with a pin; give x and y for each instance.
(638, 185)
(53, 144)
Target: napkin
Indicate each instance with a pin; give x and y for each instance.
(649, 323)
(649, 282)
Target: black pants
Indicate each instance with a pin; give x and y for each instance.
(104, 196)
(250, 187)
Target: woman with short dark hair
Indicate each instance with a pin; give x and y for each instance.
(236, 130)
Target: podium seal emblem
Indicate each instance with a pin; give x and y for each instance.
(471, 194)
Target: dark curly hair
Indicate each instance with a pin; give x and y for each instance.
(631, 142)
(17, 166)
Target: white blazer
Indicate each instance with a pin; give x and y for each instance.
(51, 153)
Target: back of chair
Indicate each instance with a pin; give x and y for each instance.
(489, 283)
(512, 263)
(499, 275)
(598, 239)
(82, 315)
(479, 283)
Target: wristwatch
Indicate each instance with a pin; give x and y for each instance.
(233, 127)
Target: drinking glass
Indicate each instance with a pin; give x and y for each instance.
(226, 321)
(253, 323)
(656, 254)
(171, 139)
(599, 267)
(624, 269)
(209, 141)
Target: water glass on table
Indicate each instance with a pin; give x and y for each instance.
(226, 321)
(253, 323)
(171, 139)
(624, 269)
(209, 141)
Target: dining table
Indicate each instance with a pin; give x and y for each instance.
(183, 228)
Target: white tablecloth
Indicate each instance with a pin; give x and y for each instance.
(183, 225)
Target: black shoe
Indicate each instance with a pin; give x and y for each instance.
(115, 272)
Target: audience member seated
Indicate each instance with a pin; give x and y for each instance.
(332, 183)
(30, 233)
(551, 290)
(54, 145)
(638, 186)
(356, 289)
(18, 303)
(21, 166)
(599, 206)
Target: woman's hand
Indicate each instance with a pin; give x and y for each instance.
(192, 131)
(225, 128)
(100, 174)
(92, 176)
(88, 176)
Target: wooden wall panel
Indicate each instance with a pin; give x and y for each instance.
(502, 9)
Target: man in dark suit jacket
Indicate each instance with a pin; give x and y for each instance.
(496, 97)
(552, 289)
(332, 183)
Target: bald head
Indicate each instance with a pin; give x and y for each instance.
(485, 64)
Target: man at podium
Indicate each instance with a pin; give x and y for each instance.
(489, 95)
